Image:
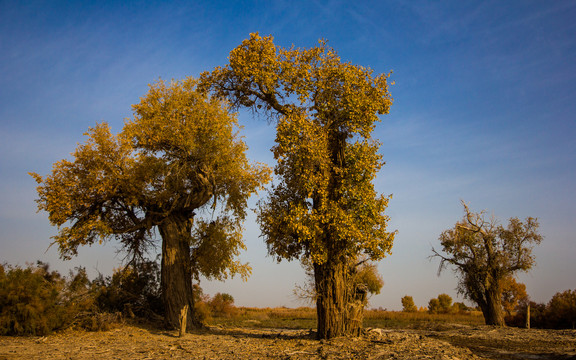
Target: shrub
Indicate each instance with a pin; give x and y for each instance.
(133, 290)
(37, 301)
(442, 305)
(30, 301)
(460, 308)
(223, 305)
(538, 313)
(445, 303)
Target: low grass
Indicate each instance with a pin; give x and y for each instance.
(305, 318)
(418, 320)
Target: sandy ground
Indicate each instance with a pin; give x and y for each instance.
(142, 342)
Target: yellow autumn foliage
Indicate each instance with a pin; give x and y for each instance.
(180, 153)
(325, 203)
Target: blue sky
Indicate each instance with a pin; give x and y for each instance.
(484, 111)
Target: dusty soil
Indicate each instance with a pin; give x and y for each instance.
(141, 342)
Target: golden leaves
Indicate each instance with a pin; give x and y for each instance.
(325, 110)
(181, 151)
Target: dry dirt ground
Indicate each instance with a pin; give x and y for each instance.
(448, 342)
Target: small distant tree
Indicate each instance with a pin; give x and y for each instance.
(408, 304)
(222, 304)
(445, 303)
(538, 315)
(513, 295)
(440, 305)
(434, 306)
(484, 253)
(460, 307)
(201, 304)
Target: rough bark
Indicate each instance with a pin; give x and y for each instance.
(492, 309)
(356, 307)
(339, 312)
(176, 273)
(331, 303)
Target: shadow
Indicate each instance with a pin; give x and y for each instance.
(262, 333)
(156, 328)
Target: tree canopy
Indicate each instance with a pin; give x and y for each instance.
(326, 156)
(484, 253)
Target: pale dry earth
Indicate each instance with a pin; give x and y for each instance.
(141, 342)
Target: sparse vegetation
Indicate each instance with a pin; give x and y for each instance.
(305, 318)
(36, 301)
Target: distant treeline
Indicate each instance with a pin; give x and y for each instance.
(558, 313)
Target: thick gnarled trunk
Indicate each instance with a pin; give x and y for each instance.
(340, 308)
(492, 309)
(332, 299)
(176, 273)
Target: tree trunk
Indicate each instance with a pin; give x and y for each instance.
(331, 303)
(356, 307)
(176, 272)
(337, 314)
(492, 309)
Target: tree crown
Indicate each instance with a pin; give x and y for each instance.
(180, 155)
(485, 253)
(326, 110)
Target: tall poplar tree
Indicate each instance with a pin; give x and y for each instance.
(324, 207)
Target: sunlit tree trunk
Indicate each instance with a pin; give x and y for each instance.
(176, 274)
(492, 309)
(356, 304)
(338, 312)
(331, 303)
